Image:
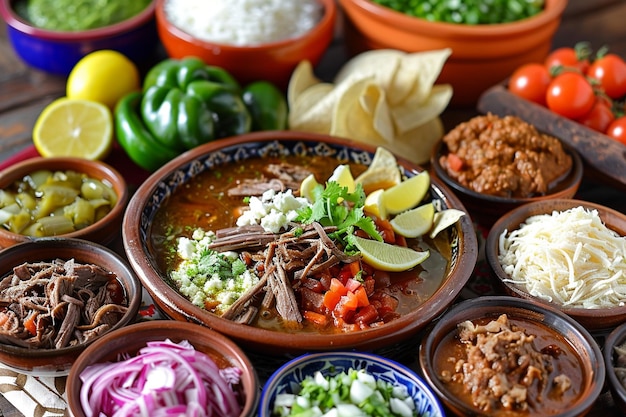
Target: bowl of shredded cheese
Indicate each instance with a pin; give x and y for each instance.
(567, 253)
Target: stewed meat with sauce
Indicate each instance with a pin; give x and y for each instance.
(50, 305)
(504, 157)
(501, 365)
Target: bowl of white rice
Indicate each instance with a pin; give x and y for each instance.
(567, 253)
(252, 39)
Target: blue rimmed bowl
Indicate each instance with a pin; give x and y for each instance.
(57, 52)
(287, 378)
(154, 192)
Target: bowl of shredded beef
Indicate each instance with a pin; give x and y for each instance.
(495, 164)
(502, 356)
(57, 296)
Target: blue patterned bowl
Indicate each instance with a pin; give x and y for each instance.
(57, 52)
(288, 378)
(151, 195)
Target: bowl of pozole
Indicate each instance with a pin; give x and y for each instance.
(290, 242)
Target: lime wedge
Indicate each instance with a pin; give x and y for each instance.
(388, 257)
(415, 222)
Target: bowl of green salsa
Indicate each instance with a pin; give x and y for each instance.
(54, 36)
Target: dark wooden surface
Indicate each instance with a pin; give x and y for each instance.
(24, 92)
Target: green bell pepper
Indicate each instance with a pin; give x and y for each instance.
(135, 139)
(267, 106)
(187, 103)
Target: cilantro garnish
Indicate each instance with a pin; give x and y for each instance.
(335, 206)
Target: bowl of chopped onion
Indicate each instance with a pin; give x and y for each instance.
(347, 383)
(163, 367)
(59, 296)
(566, 253)
(507, 356)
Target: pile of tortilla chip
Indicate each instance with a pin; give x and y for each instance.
(382, 97)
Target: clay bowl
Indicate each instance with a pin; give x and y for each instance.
(594, 319)
(486, 209)
(57, 52)
(271, 61)
(102, 231)
(153, 193)
(614, 366)
(289, 376)
(579, 356)
(57, 362)
(130, 339)
(499, 47)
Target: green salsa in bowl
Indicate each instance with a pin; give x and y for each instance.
(57, 50)
(71, 15)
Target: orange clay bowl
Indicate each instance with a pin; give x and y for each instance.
(486, 209)
(594, 319)
(482, 55)
(128, 340)
(103, 231)
(57, 362)
(273, 61)
(578, 353)
(177, 173)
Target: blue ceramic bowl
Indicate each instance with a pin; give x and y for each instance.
(288, 377)
(57, 52)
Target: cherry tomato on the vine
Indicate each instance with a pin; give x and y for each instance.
(600, 116)
(617, 130)
(530, 81)
(570, 95)
(610, 71)
(576, 58)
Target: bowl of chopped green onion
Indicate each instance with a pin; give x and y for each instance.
(489, 39)
(347, 383)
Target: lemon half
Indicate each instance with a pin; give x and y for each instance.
(74, 127)
(407, 194)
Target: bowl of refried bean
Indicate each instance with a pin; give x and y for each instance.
(495, 164)
(504, 356)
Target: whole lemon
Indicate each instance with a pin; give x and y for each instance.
(104, 76)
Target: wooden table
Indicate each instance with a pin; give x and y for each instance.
(24, 93)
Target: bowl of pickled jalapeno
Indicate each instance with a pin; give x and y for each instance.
(69, 197)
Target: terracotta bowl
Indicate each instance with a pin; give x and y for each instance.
(500, 47)
(486, 209)
(594, 319)
(290, 376)
(273, 61)
(103, 231)
(153, 193)
(579, 355)
(56, 362)
(616, 339)
(57, 52)
(128, 340)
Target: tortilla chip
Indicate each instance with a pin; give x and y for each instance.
(381, 64)
(412, 113)
(301, 79)
(350, 118)
(426, 66)
(417, 145)
(382, 172)
(312, 111)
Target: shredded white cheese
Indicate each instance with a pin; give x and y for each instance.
(567, 257)
(244, 22)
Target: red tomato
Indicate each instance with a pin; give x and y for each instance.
(600, 116)
(576, 58)
(610, 71)
(617, 129)
(530, 81)
(570, 95)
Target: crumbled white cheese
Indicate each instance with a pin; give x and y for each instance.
(273, 211)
